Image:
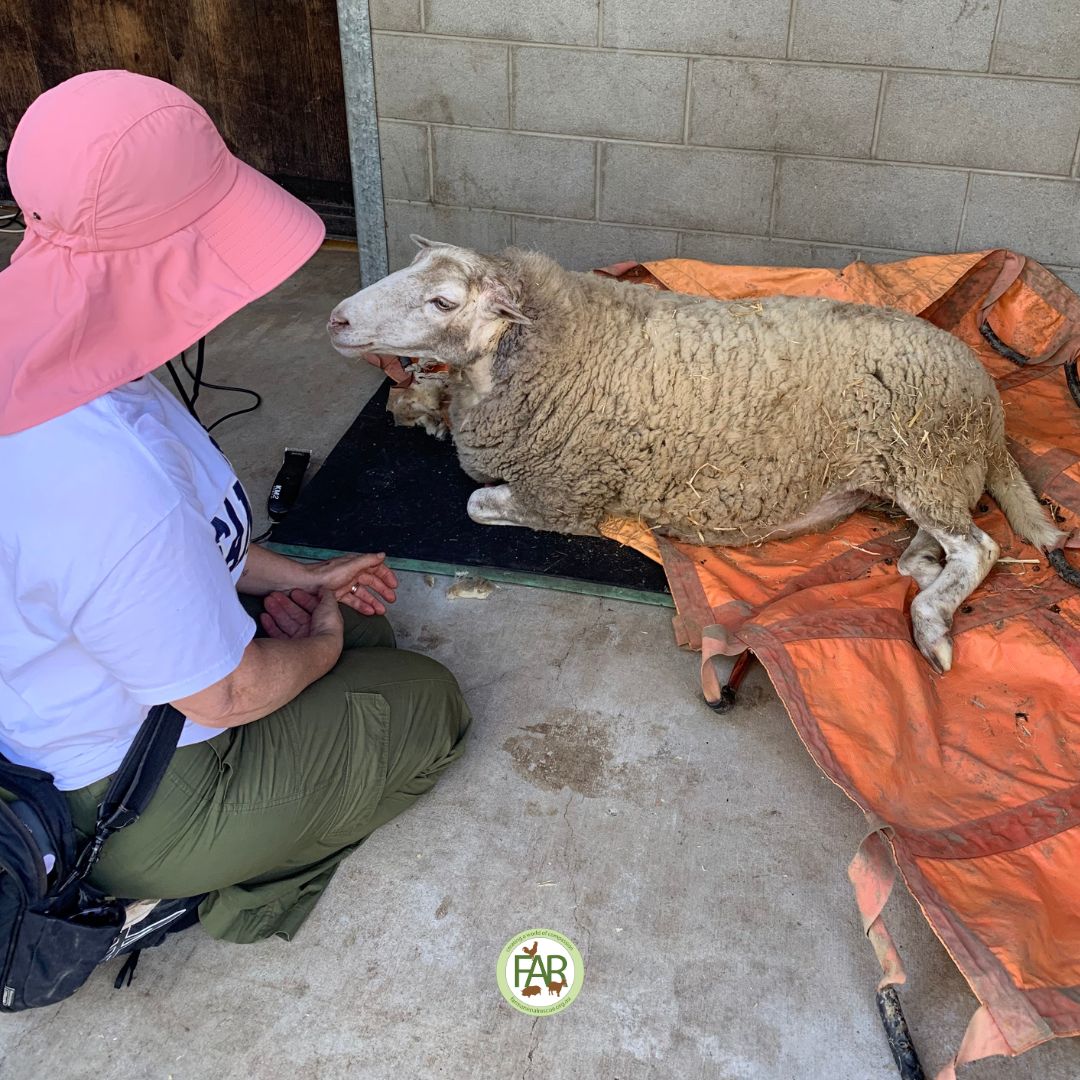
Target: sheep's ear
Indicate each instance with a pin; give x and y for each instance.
(424, 243)
(501, 302)
(512, 313)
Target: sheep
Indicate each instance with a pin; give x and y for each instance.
(575, 398)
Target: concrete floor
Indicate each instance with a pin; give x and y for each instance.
(697, 861)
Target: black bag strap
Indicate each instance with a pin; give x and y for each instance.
(133, 784)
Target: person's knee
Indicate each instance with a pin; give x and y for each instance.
(367, 631)
(426, 704)
(434, 723)
(437, 691)
(450, 709)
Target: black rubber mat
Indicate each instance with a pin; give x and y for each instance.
(398, 490)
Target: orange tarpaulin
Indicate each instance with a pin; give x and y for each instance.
(972, 779)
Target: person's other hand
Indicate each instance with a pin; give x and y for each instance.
(301, 614)
(363, 582)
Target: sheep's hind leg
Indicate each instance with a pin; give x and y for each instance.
(922, 559)
(969, 557)
(498, 506)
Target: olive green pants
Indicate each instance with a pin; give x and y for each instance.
(260, 816)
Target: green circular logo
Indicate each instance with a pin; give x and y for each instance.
(540, 972)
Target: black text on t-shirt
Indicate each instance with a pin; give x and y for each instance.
(232, 526)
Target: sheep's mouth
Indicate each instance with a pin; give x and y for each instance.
(353, 350)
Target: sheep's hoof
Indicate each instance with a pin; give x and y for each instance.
(931, 633)
(939, 653)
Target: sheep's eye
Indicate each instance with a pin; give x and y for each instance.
(443, 304)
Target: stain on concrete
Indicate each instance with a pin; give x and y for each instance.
(577, 750)
(427, 638)
(753, 696)
(571, 749)
(443, 908)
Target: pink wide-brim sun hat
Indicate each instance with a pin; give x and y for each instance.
(143, 233)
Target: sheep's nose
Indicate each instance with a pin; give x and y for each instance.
(337, 321)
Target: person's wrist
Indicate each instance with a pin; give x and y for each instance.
(331, 640)
(308, 576)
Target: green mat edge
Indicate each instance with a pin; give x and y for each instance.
(492, 573)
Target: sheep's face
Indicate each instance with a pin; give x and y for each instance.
(450, 305)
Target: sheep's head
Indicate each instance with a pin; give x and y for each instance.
(451, 304)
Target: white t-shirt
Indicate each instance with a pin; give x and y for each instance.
(123, 531)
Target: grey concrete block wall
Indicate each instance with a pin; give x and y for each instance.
(617, 95)
(761, 105)
(1011, 124)
(736, 27)
(796, 132)
(530, 173)
(447, 82)
(686, 187)
(1039, 37)
(855, 203)
(406, 160)
(953, 34)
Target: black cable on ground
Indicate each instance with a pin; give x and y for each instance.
(191, 398)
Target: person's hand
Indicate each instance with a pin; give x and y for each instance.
(301, 614)
(363, 582)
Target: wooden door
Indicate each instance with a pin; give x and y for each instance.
(267, 71)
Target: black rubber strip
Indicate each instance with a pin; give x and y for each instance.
(999, 346)
(896, 1031)
(1073, 381)
(1069, 574)
(726, 702)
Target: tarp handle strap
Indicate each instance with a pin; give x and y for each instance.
(873, 874)
(1011, 268)
(982, 1039)
(1063, 351)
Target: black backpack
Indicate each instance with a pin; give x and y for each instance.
(55, 927)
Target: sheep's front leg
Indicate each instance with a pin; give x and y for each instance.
(499, 506)
(969, 557)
